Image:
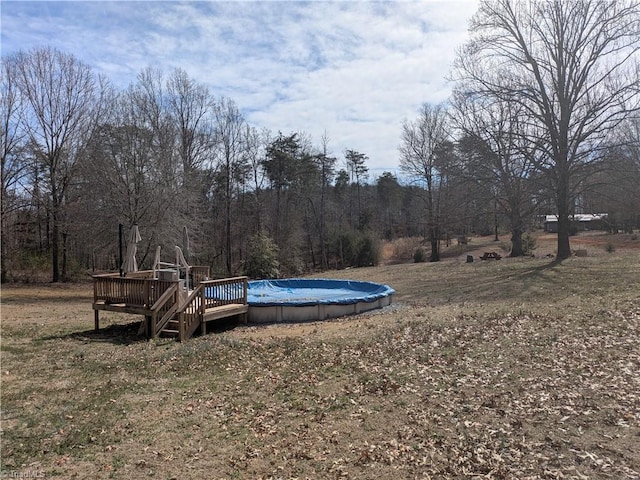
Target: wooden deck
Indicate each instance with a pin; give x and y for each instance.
(166, 306)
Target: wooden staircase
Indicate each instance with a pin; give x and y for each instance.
(210, 300)
(172, 329)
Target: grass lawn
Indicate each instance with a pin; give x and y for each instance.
(515, 369)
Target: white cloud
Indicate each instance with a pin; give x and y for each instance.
(352, 69)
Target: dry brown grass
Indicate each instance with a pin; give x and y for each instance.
(401, 250)
(518, 368)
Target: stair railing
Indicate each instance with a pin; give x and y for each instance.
(190, 313)
(164, 309)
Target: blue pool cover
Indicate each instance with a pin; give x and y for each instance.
(314, 291)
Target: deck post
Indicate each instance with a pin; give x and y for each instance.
(245, 316)
(152, 321)
(96, 320)
(201, 309)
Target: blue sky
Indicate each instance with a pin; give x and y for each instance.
(354, 70)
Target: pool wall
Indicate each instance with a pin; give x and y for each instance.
(268, 311)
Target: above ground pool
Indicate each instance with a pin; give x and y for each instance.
(305, 299)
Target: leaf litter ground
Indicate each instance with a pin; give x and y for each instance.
(513, 369)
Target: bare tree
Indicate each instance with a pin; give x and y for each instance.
(229, 135)
(253, 143)
(326, 166)
(615, 189)
(64, 100)
(189, 104)
(629, 170)
(572, 65)
(133, 169)
(190, 109)
(151, 103)
(501, 157)
(421, 147)
(14, 165)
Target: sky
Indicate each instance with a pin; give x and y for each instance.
(350, 70)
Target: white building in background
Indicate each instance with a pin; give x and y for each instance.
(582, 221)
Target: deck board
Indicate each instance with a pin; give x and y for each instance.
(122, 307)
(215, 313)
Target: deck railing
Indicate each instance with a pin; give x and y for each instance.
(224, 291)
(162, 300)
(190, 314)
(209, 294)
(138, 290)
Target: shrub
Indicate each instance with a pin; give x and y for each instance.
(29, 267)
(610, 247)
(405, 248)
(368, 251)
(262, 258)
(419, 256)
(343, 249)
(356, 249)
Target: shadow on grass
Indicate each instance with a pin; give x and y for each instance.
(512, 284)
(127, 334)
(536, 272)
(12, 299)
(117, 334)
(499, 282)
(220, 326)
(540, 277)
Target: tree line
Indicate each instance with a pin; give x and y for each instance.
(81, 157)
(544, 112)
(543, 119)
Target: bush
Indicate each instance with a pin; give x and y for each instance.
(29, 267)
(355, 249)
(419, 256)
(368, 249)
(262, 258)
(404, 248)
(344, 249)
(610, 248)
